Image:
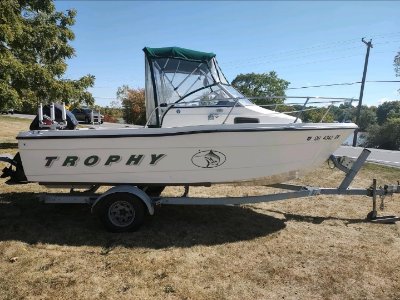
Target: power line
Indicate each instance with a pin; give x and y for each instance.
(311, 62)
(323, 85)
(325, 46)
(344, 83)
(383, 81)
(379, 36)
(387, 42)
(233, 67)
(285, 57)
(293, 55)
(287, 60)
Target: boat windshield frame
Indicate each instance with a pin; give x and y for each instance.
(232, 100)
(175, 79)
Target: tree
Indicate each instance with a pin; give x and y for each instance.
(344, 112)
(386, 110)
(133, 104)
(347, 113)
(386, 136)
(261, 85)
(114, 112)
(315, 115)
(34, 47)
(367, 117)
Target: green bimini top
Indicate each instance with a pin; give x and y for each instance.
(176, 52)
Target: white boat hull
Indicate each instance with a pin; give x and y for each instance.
(186, 155)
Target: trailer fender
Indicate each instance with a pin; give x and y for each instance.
(131, 190)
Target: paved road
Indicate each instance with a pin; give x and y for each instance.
(105, 124)
(378, 156)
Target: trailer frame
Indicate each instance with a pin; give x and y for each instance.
(292, 191)
(137, 201)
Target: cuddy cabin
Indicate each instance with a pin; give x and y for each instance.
(186, 87)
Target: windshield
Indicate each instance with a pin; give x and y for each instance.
(176, 79)
(186, 77)
(179, 80)
(218, 95)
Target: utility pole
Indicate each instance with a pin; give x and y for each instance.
(369, 46)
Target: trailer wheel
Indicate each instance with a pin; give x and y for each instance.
(120, 212)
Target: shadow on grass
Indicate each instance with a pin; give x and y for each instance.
(8, 145)
(316, 219)
(24, 218)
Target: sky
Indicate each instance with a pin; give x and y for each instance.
(305, 42)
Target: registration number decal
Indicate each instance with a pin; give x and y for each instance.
(321, 137)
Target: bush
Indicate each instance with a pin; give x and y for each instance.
(133, 104)
(386, 136)
(110, 118)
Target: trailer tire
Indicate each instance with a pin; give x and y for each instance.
(121, 212)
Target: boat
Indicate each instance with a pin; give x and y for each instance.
(199, 131)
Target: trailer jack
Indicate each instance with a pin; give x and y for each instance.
(383, 192)
(351, 170)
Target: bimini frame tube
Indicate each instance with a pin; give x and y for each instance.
(40, 113)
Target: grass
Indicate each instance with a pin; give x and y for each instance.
(9, 128)
(318, 248)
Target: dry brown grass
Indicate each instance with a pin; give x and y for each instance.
(9, 128)
(316, 248)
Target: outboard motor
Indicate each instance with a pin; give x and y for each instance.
(58, 112)
(15, 171)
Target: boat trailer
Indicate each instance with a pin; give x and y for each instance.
(123, 207)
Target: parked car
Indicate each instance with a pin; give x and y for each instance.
(85, 115)
(7, 111)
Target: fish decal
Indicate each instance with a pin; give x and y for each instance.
(212, 159)
(208, 159)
